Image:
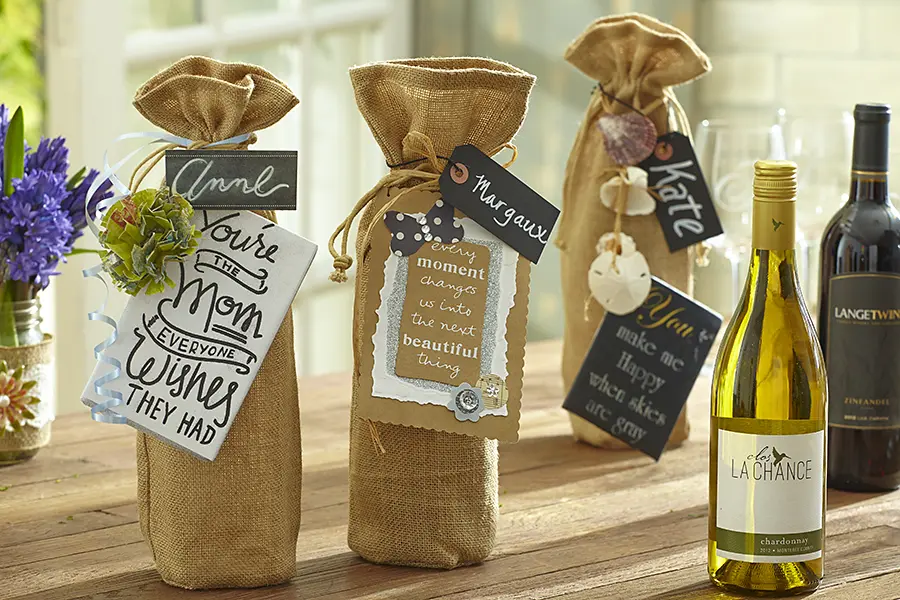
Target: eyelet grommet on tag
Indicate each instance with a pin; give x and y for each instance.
(622, 289)
(459, 173)
(629, 138)
(640, 202)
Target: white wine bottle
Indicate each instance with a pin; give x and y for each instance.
(768, 416)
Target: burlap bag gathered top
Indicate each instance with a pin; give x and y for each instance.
(420, 497)
(232, 522)
(637, 60)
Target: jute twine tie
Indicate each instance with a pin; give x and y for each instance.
(428, 174)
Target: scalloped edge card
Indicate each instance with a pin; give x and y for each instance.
(443, 322)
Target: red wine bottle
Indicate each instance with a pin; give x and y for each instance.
(859, 318)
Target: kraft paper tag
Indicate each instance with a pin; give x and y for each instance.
(642, 366)
(443, 329)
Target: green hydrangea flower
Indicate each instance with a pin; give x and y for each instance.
(142, 234)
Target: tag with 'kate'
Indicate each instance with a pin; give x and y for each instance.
(642, 366)
(234, 179)
(498, 201)
(686, 212)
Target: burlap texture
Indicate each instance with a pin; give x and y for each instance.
(232, 522)
(30, 438)
(432, 499)
(635, 58)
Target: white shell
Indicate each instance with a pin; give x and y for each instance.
(623, 291)
(640, 202)
(607, 243)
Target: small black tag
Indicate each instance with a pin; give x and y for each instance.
(498, 201)
(641, 367)
(234, 179)
(686, 213)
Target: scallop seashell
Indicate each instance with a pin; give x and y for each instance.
(623, 289)
(639, 202)
(608, 242)
(628, 138)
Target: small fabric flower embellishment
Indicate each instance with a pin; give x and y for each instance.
(15, 402)
(639, 202)
(409, 233)
(493, 391)
(466, 402)
(142, 234)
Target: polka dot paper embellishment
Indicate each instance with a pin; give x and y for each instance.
(408, 233)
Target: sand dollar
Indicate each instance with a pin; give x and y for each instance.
(623, 289)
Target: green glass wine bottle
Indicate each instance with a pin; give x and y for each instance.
(768, 417)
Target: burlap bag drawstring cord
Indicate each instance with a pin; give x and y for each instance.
(429, 174)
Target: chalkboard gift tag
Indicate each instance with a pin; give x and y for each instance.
(636, 59)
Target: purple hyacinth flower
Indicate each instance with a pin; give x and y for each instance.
(51, 155)
(74, 203)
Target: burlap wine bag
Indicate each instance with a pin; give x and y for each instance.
(430, 499)
(232, 522)
(636, 59)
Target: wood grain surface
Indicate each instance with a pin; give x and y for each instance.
(577, 523)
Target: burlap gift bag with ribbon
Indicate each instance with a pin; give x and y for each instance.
(421, 497)
(232, 522)
(637, 60)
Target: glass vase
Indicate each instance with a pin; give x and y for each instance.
(26, 375)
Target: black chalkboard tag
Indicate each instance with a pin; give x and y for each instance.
(686, 213)
(642, 366)
(234, 179)
(498, 201)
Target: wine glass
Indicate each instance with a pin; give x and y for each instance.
(820, 142)
(726, 151)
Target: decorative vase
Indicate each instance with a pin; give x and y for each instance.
(27, 394)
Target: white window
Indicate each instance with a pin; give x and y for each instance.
(99, 51)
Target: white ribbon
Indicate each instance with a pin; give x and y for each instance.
(101, 410)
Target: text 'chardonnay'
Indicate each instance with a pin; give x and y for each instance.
(767, 434)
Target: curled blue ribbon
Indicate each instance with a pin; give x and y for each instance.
(101, 411)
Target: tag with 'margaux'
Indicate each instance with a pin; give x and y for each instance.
(686, 212)
(498, 201)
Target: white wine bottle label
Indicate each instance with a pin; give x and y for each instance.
(770, 494)
(863, 350)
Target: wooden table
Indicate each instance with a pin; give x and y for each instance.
(577, 523)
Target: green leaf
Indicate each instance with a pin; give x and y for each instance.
(77, 251)
(8, 334)
(27, 413)
(28, 385)
(14, 152)
(3, 488)
(76, 179)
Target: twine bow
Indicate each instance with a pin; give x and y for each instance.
(427, 172)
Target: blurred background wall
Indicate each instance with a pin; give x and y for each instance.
(796, 65)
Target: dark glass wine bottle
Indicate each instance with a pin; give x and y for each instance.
(859, 318)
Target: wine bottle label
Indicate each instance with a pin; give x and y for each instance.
(863, 351)
(770, 496)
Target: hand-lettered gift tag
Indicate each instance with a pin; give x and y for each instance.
(189, 354)
(642, 366)
(686, 212)
(446, 323)
(234, 179)
(498, 201)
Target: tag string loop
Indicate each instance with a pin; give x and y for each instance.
(427, 173)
